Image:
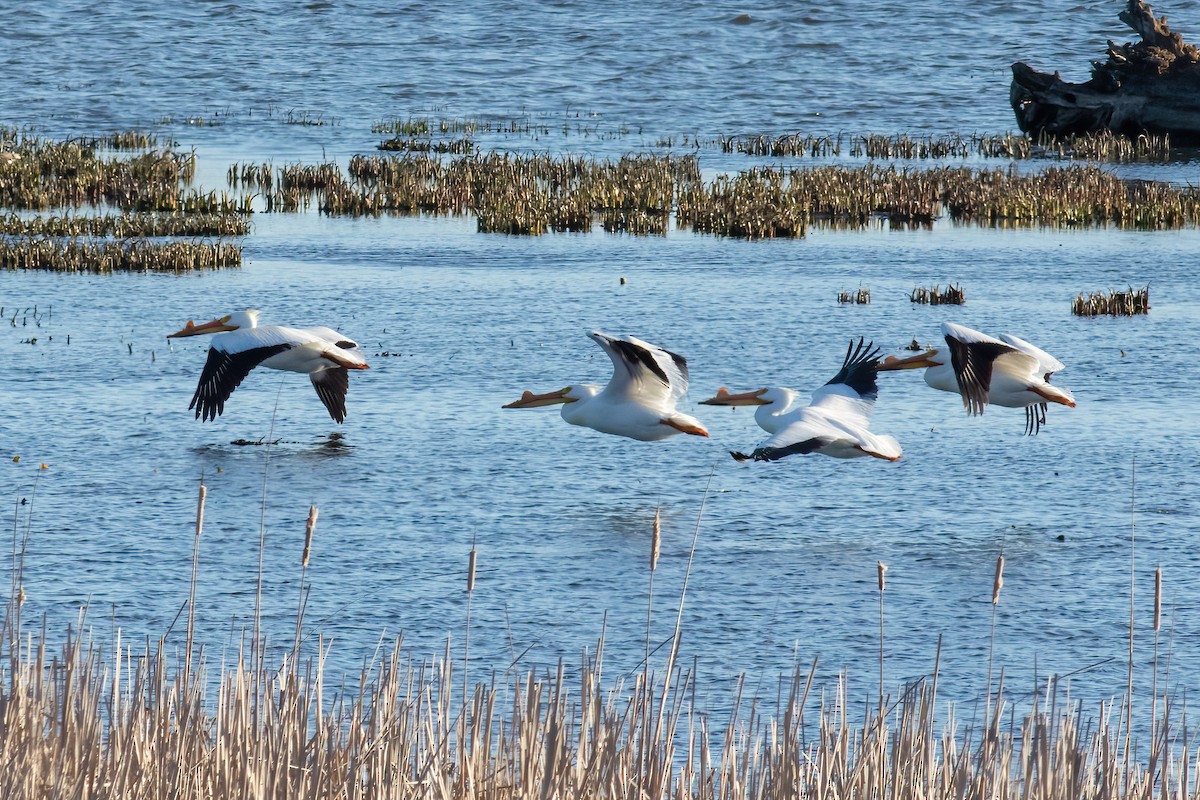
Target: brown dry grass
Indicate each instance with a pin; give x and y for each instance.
(149, 722)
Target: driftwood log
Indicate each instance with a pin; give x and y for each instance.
(1152, 86)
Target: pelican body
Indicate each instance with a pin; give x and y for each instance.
(984, 371)
(834, 423)
(240, 344)
(638, 401)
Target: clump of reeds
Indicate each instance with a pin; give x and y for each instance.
(124, 226)
(120, 140)
(535, 194)
(953, 295)
(1108, 146)
(860, 296)
(305, 118)
(105, 256)
(1117, 304)
(412, 145)
(47, 174)
(252, 176)
(1100, 146)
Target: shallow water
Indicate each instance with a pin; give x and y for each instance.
(427, 462)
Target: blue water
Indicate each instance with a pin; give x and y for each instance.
(785, 556)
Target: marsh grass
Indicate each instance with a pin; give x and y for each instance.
(537, 194)
(935, 296)
(859, 296)
(132, 255)
(1100, 146)
(1118, 304)
(150, 721)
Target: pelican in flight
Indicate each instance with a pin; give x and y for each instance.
(1007, 371)
(639, 400)
(241, 345)
(835, 421)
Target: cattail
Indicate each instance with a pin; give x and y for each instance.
(308, 534)
(656, 538)
(1157, 599)
(471, 571)
(998, 584)
(881, 568)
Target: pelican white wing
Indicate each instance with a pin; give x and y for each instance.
(1046, 362)
(976, 357)
(644, 372)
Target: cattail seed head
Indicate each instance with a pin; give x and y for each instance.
(1157, 599)
(881, 568)
(471, 572)
(308, 535)
(656, 538)
(998, 584)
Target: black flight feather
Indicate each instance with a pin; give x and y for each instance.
(776, 453)
(858, 369)
(973, 369)
(223, 372)
(331, 385)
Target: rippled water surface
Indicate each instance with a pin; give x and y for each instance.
(457, 323)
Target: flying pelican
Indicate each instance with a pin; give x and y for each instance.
(835, 421)
(241, 345)
(639, 400)
(1006, 372)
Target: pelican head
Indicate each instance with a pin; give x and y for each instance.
(930, 358)
(229, 322)
(530, 400)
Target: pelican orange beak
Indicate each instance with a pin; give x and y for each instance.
(912, 362)
(724, 398)
(192, 329)
(531, 400)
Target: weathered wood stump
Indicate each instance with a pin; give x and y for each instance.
(1152, 86)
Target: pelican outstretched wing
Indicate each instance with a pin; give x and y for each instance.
(644, 371)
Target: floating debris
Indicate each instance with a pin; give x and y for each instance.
(1117, 304)
(860, 296)
(936, 297)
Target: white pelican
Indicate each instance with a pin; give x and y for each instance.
(835, 421)
(241, 345)
(1006, 372)
(639, 400)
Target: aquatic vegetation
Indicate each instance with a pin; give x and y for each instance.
(251, 176)
(410, 145)
(1117, 304)
(126, 226)
(1098, 146)
(860, 296)
(936, 297)
(103, 256)
(305, 118)
(535, 194)
(155, 721)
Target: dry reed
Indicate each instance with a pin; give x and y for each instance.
(1117, 304)
(860, 296)
(936, 297)
(137, 723)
